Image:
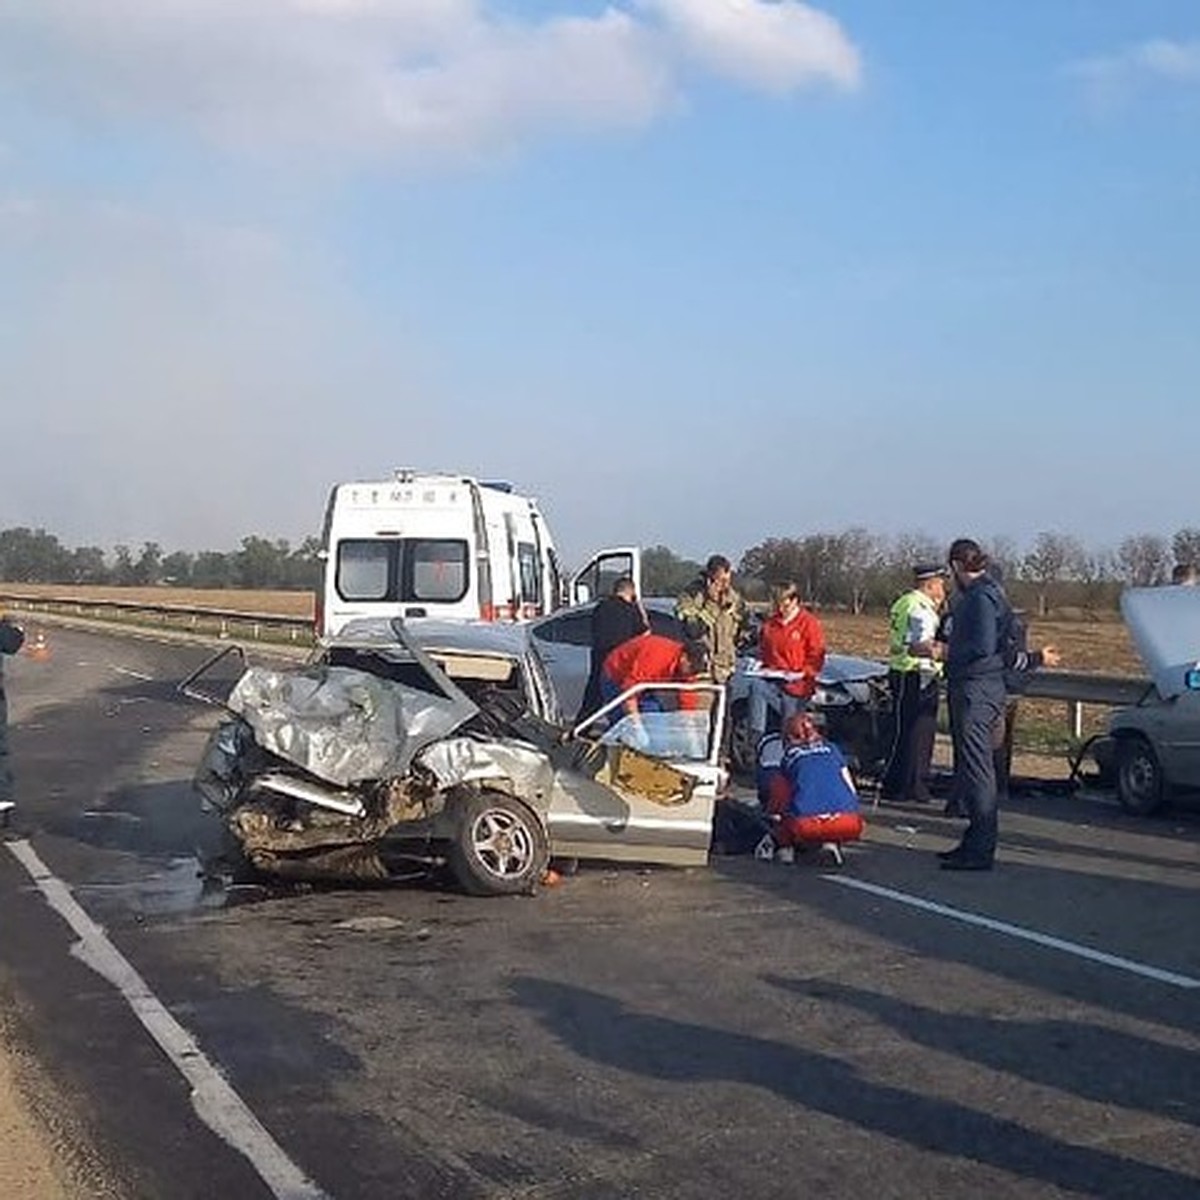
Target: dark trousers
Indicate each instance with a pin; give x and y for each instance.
(1002, 746)
(591, 691)
(914, 710)
(6, 779)
(977, 707)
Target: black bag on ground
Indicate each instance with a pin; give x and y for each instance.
(737, 827)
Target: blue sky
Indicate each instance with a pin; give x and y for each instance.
(693, 271)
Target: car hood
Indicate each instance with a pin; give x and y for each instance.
(1164, 623)
(845, 668)
(838, 668)
(346, 726)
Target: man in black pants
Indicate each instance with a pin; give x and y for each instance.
(914, 679)
(616, 619)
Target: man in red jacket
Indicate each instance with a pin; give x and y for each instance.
(791, 650)
(651, 658)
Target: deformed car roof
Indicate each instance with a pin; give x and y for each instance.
(1164, 623)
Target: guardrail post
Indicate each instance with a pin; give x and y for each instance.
(1075, 718)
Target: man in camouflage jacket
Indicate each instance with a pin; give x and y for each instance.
(714, 613)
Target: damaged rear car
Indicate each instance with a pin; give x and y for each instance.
(407, 748)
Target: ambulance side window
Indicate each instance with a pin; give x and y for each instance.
(363, 569)
(531, 576)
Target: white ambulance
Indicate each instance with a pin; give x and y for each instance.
(441, 545)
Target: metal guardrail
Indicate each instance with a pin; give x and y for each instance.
(221, 621)
(1074, 686)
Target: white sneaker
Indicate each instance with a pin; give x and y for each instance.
(785, 854)
(834, 851)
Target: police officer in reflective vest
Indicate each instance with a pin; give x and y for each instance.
(914, 676)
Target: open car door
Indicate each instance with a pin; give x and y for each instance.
(595, 579)
(642, 786)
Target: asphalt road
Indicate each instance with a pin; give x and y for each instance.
(749, 1029)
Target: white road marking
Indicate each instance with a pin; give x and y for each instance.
(1016, 931)
(213, 1098)
(131, 673)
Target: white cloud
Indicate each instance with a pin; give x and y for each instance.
(1109, 79)
(771, 46)
(394, 78)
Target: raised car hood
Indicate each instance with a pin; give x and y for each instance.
(1164, 623)
(341, 725)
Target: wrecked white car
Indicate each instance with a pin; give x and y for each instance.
(1153, 747)
(407, 747)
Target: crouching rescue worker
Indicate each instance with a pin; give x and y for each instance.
(808, 795)
(12, 637)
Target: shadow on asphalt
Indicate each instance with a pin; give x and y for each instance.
(1045, 889)
(603, 1030)
(1091, 1061)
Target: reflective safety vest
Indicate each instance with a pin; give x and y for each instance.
(914, 618)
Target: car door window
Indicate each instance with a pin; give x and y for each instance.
(574, 629)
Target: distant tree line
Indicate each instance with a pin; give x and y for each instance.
(858, 571)
(35, 556)
(853, 570)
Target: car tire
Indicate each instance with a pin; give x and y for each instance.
(1141, 788)
(499, 846)
(743, 750)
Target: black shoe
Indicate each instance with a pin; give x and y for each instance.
(962, 862)
(957, 852)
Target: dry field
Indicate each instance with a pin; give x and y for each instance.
(286, 604)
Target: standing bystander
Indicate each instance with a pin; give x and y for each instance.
(791, 648)
(713, 612)
(12, 636)
(615, 619)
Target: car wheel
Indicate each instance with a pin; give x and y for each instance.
(1141, 788)
(499, 848)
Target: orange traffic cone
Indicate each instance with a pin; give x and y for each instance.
(38, 649)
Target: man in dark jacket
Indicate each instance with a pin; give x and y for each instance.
(983, 648)
(615, 619)
(975, 665)
(11, 638)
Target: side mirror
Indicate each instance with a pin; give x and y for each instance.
(583, 593)
(1191, 679)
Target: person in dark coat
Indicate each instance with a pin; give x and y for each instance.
(616, 619)
(975, 667)
(983, 648)
(11, 638)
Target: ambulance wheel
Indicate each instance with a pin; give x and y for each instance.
(499, 847)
